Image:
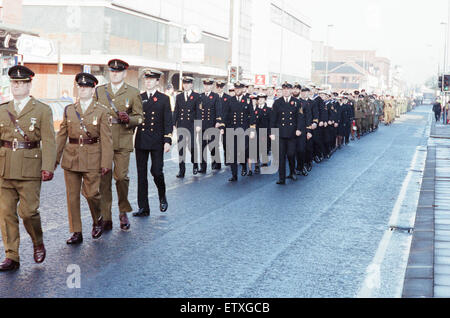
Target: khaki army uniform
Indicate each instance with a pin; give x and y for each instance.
(388, 112)
(20, 170)
(128, 100)
(84, 157)
(359, 115)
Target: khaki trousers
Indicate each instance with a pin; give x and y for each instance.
(88, 183)
(121, 164)
(23, 197)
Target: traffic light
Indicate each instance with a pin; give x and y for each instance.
(446, 83)
(233, 74)
(440, 82)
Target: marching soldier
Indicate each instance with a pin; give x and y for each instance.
(262, 116)
(86, 157)
(287, 117)
(359, 114)
(153, 138)
(238, 114)
(186, 108)
(210, 113)
(225, 99)
(345, 121)
(125, 112)
(27, 157)
(311, 126)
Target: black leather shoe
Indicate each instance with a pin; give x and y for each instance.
(142, 213)
(180, 175)
(309, 167)
(39, 254)
(233, 179)
(77, 238)
(195, 170)
(293, 177)
(163, 205)
(202, 171)
(244, 172)
(97, 231)
(317, 159)
(305, 172)
(250, 174)
(124, 222)
(298, 172)
(9, 265)
(281, 182)
(257, 170)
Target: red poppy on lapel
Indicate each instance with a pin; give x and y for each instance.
(210, 97)
(256, 113)
(192, 97)
(292, 103)
(225, 100)
(155, 99)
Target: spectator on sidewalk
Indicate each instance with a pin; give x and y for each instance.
(437, 109)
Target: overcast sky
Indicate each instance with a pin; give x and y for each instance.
(409, 33)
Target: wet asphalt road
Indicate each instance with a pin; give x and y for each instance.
(312, 238)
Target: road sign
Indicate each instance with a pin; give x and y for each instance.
(260, 79)
(35, 46)
(193, 52)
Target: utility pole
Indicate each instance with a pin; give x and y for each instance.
(328, 52)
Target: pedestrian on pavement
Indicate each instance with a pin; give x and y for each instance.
(27, 158)
(125, 110)
(437, 109)
(153, 140)
(86, 157)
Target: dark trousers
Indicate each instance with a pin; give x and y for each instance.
(157, 157)
(238, 152)
(212, 150)
(191, 146)
(437, 116)
(287, 149)
(309, 153)
(319, 142)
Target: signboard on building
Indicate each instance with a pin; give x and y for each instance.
(193, 52)
(260, 79)
(275, 80)
(35, 46)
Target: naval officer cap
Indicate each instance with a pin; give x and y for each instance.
(86, 80)
(149, 73)
(297, 85)
(262, 95)
(188, 80)
(20, 73)
(286, 85)
(117, 65)
(208, 81)
(221, 83)
(239, 85)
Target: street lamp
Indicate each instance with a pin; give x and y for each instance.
(328, 52)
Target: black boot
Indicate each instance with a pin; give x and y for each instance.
(161, 185)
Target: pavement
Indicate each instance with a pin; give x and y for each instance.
(327, 235)
(428, 273)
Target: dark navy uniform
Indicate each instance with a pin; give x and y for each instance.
(210, 113)
(238, 113)
(152, 135)
(262, 117)
(225, 99)
(184, 115)
(305, 146)
(285, 118)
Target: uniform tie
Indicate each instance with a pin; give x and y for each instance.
(16, 107)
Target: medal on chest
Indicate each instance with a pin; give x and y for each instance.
(95, 121)
(127, 104)
(33, 123)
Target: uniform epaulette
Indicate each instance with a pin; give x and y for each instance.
(3, 104)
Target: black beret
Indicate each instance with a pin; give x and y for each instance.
(117, 65)
(20, 73)
(86, 80)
